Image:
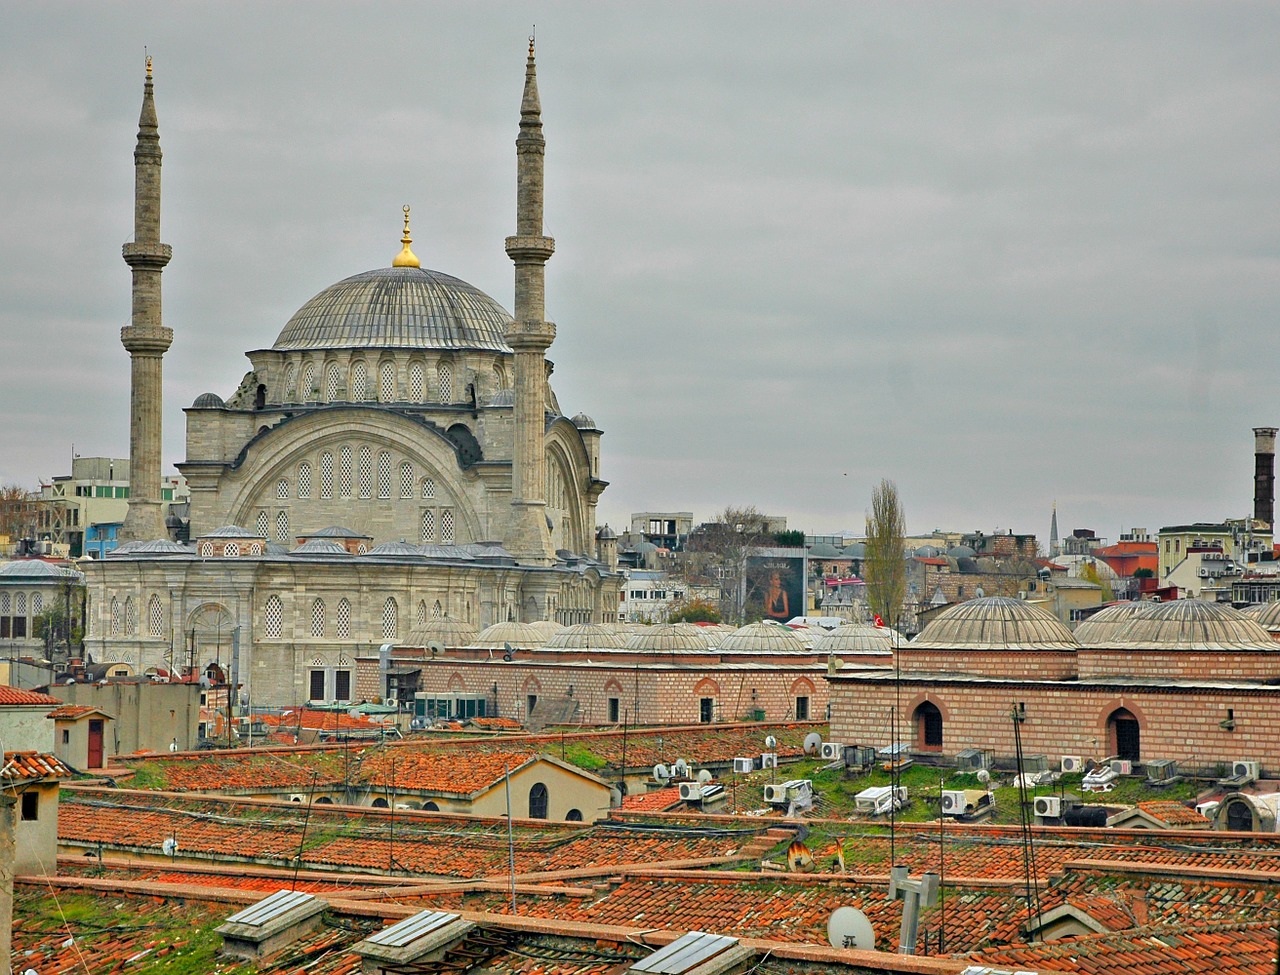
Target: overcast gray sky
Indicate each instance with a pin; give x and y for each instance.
(999, 253)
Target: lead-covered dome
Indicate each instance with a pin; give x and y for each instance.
(398, 308)
(1197, 624)
(764, 637)
(995, 623)
(1111, 624)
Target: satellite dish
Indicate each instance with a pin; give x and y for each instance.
(984, 776)
(681, 767)
(705, 776)
(661, 773)
(799, 857)
(848, 927)
(436, 647)
(770, 742)
(169, 847)
(812, 742)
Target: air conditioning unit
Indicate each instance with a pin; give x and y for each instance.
(769, 760)
(775, 794)
(1122, 766)
(1204, 572)
(971, 759)
(1246, 770)
(418, 723)
(298, 797)
(1072, 763)
(1161, 769)
(954, 802)
(1048, 807)
(831, 751)
(391, 702)
(691, 791)
(743, 765)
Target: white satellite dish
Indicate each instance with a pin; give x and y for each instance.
(984, 776)
(848, 927)
(705, 776)
(812, 742)
(681, 767)
(661, 772)
(169, 847)
(770, 742)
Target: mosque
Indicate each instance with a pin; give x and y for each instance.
(396, 455)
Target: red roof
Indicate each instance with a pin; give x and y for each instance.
(28, 766)
(70, 712)
(15, 695)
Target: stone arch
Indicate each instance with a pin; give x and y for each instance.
(566, 451)
(1124, 734)
(456, 683)
(801, 685)
(927, 721)
(210, 625)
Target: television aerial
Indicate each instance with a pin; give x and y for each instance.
(770, 742)
(812, 742)
(848, 927)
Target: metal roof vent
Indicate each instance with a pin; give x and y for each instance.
(424, 937)
(697, 953)
(267, 926)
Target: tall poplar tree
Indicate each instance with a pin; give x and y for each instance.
(885, 570)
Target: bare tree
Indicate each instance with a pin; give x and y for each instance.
(717, 554)
(17, 511)
(885, 569)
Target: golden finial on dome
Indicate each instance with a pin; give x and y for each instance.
(531, 45)
(148, 67)
(406, 257)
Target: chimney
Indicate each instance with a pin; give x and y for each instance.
(1264, 474)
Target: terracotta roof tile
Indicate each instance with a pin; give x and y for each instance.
(658, 800)
(17, 696)
(69, 712)
(30, 766)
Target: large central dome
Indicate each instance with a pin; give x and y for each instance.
(398, 308)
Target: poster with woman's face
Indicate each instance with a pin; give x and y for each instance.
(775, 587)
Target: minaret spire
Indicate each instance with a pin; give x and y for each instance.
(1055, 549)
(529, 336)
(146, 338)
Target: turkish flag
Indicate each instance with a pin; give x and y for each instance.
(879, 621)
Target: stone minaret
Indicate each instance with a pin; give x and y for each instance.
(528, 537)
(146, 338)
(1055, 549)
(1264, 474)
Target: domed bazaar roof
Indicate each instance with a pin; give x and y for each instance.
(664, 637)
(398, 308)
(710, 638)
(1197, 624)
(1267, 615)
(856, 638)
(519, 635)
(764, 637)
(1107, 625)
(587, 636)
(548, 628)
(444, 630)
(995, 623)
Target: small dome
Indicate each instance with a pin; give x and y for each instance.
(587, 636)
(961, 552)
(1197, 624)
(519, 635)
(159, 546)
(1107, 625)
(548, 628)
(856, 638)
(926, 552)
(996, 623)
(37, 569)
(764, 637)
(644, 548)
(321, 547)
(666, 637)
(208, 401)
(824, 550)
(396, 550)
(398, 308)
(230, 531)
(503, 397)
(1267, 615)
(584, 422)
(858, 550)
(444, 630)
(606, 533)
(446, 553)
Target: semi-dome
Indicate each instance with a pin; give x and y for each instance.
(584, 422)
(764, 637)
(1110, 624)
(856, 638)
(398, 308)
(996, 623)
(518, 635)
(1196, 624)
(666, 637)
(587, 636)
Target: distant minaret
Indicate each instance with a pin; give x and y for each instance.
(1054, 548)
(146, 338)
(528, 537)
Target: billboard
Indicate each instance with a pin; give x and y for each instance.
(775, 584)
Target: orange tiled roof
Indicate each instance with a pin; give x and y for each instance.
(1172, 813)
(31, 766)
(497, 724)
(69, 712)
(312, 720)
(659, 800)
(441, 773)
(15, 695)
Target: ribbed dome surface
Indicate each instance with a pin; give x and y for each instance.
(1197, 624)
(763, 638)
(667, 637)
(587, 636)
(548, 628)
(856, 638)
(995, 623)
(445, 631)
(1267, 615)
(398, 308)
(519, 635)
(1111, 624)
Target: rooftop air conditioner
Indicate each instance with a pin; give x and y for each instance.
(691, 791)
(391, 702)
(743, 765)
(954, 802)
(1122, 766)
(1246, 770)
(769, 760)
(1072, 763)
(1161, 769)
(1048, 807)
(1204, 572)
(775, 794)
(831, 751)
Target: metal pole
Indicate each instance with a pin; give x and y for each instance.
(511, 840)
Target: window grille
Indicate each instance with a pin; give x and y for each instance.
(273, 618)
(387, 383)
(37, 604)
(282, 489)
(428, 488)
(437, 611)
(264, 524)
(389, 619)
(231, 550)
(333, 383)
(359, 383)
(115, 617)
(366, 472)
(417, 382)
(446, 527)
(344, 472)
(384, 475)
(406, 480)
(326, 475)
(304, 480)
(342, 620)
(130, 616)
(317, 618)
(282, 526)
(428, 526)
(308, 383)
(422, 612)
(290, 381)
(444, 382)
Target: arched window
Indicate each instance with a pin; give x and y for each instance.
(499, 377)
(406, 480)
(422, 612)
(282, 526)
(290, 381)
(255, 548)
(380, 803)
(282, 488)
(390, 619)
(384, 475)
(317, 618)
(359, 383)
(428, 488)
(387, 382)
(538, 801)
(333, 382)
(130, 616)
(308, 390)
(304, 481)
(4, 604)
(326, 475)
(37, 604)
(573, 816)
(428, 525)
(342, 619)
(417, 382)
(155, 616)
(116, 621)
(264, 524)
(20, 604)
(273, 618)
(231, 551)
(444, 382)
(365, 472)
(1124, 735)
(446, 527)
(437, 611)
(430, 806)
(345, 467)
(928, 726)
(206, 550)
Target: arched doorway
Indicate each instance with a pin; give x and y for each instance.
(1124, 735)
(928, 721)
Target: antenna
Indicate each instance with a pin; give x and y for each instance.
(848, 927)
